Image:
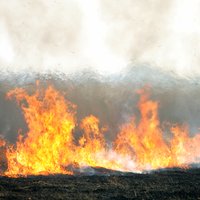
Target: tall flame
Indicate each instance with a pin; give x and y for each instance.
(2, 152)
(49, 147)
(146, 144)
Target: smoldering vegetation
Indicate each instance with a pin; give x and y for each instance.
(113, 98)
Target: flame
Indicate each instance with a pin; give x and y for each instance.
(2, 143)
(49, 147)
(146, 144)
(92, 141)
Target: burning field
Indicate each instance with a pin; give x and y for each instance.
(64, 149)
(50, 147)
(100, 99)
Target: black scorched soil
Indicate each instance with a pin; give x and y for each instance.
(169, 184)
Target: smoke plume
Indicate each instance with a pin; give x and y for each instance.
(106, 36)
(113, 47)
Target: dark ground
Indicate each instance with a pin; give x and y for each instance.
(170, 184)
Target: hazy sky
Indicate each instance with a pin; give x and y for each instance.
(105, 35)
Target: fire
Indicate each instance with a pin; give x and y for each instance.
(145, 143)
(2, 142)
(92, 141)
(50, 147)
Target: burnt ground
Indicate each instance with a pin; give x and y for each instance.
(166, 184)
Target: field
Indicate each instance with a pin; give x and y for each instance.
(165, 184)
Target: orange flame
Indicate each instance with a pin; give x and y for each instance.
(145, 142)
(2, 143)
(49, 146)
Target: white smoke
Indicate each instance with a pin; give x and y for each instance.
(107, 36)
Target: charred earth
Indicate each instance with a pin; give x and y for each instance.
(104, 184)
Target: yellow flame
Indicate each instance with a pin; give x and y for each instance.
(49, 146)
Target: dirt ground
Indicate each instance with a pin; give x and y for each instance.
(166, 184)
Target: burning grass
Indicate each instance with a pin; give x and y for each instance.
(49, 147)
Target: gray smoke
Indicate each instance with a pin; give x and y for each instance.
(67, 36)
(113, 99)
(100, 53)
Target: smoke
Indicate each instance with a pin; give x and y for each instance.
(112, 99)
(105, 36)
(74, 38)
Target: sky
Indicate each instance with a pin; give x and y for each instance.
(103, 35)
